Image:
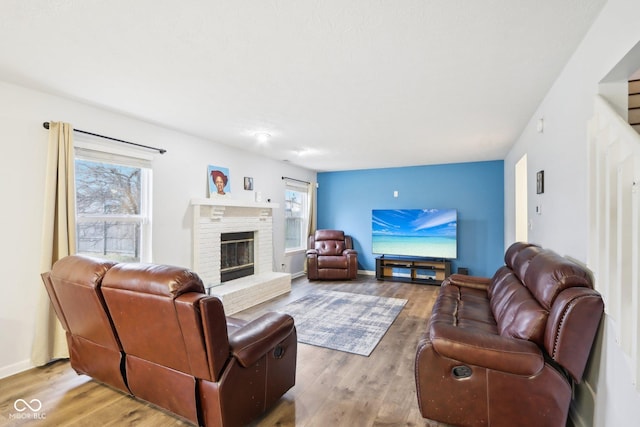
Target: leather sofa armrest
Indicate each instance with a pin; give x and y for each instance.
(506, 354)
(255, 339)
(312, 264)
(463, 280)
(349, 252)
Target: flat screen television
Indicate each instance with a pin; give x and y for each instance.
(429, 233)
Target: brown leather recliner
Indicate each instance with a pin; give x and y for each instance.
(330, 256)
(73, 286)
(505, 351)
(180, 351)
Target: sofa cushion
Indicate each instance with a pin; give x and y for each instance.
(329, 247)
(549, 274)
(76, 282)
(523, 259)
(164, 280)
(464, 308)
(333, 262)
(517, 313)
(512, 252)
(501, 274)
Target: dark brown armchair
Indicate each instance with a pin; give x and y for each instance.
(330, 256)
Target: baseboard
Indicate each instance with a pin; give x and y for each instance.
(575, 419)
(16, 368)
(298, 274)
(363, 272)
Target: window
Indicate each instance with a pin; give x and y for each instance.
(296, 215)
(113, 215)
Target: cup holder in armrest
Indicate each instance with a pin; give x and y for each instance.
(461, 371)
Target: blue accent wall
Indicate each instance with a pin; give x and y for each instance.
(476, 190)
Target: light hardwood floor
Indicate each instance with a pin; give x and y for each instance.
(332, 388)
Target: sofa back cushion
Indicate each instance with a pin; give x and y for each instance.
(156, 311)
(517, 313)
(74, 287)
(496, 281)
(329, 242)
(75, 291)
(523, 260)
(549, 274)
(512, 252)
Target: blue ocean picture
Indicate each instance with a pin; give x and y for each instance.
(428, 233)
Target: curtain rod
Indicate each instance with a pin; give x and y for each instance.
(297, 180)
(159, 150)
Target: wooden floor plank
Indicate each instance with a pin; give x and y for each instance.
(332, 387)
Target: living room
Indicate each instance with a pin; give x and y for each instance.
(482, 189)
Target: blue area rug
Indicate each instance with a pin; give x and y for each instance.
(343, 321)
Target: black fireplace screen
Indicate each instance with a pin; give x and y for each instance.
(236, 255)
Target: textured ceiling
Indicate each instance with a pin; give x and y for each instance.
(339, 84)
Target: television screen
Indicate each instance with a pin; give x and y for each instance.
(430, 233)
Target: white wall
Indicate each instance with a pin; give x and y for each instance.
(179, 175)
(561, 151)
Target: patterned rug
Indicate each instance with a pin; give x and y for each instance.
(343, 321)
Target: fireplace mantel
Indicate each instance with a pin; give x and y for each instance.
(217, 215)
(227, 201)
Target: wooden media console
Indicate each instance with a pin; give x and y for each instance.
(409, 269)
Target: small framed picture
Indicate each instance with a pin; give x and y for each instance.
(218, 180)
(540, 182)
(248, 183)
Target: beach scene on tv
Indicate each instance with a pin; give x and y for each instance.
(429, 233)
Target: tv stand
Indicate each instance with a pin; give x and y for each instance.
(392, 268)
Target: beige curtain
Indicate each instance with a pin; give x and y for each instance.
(311, 197)
(58, 238)
(311, 228)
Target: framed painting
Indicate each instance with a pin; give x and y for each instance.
(540, 182)
(219, 182)
(248, 183)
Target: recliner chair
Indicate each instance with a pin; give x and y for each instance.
(183, 353)
(330, 256)
(73, 286)
(151, 331)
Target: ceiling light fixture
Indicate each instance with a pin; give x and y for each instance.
(262, 137)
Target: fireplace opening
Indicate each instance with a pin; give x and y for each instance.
(236, 255)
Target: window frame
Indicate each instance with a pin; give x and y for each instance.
(88, 149)
(304, 223)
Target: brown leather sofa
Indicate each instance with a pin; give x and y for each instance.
(330, 256)
(506, 351)
(151, 331)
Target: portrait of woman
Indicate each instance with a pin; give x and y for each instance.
(218, 180)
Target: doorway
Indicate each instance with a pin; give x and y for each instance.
(522, 220)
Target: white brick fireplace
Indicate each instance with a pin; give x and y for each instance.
(217, 215)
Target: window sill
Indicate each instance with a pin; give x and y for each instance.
(289, 252)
